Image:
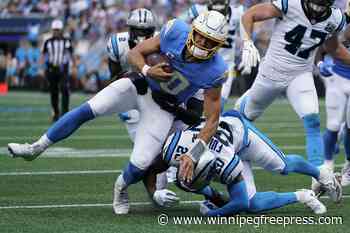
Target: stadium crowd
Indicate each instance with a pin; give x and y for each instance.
(88, 23)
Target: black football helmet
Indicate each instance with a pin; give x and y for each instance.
(316, 9)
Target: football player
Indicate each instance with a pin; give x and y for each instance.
(337, 79)
(233, 13)
(301, 26)
(191, 51)
(234, 147)
(142, 25)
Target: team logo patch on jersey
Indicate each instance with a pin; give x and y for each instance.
(330, 27)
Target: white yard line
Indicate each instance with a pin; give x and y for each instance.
(99, 205)
(84, 172)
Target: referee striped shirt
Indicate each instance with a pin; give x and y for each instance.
(58, 51)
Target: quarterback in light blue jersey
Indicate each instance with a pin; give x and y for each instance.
(156, 94)
(236, 145)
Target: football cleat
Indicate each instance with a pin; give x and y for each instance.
(329, 184)
(345, 178)
(27, 151)
(121, 197)
(309, 198)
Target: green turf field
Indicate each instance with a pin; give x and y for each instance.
(69, 189)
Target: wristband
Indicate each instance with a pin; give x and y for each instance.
(197, 150)
(145, 69)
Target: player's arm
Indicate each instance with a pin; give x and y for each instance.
(212, 109)
(337, 49)
(114, 67)
(250, 54)
(163, 197)
(257, 13)
(136, 58)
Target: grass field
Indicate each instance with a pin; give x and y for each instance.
(69, 189)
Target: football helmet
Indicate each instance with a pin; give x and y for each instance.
(142, 25)
(211, 25)
(219, 5)
(316, 9)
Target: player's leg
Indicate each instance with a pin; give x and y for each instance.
(151, 133)
(65, 92)
(265, 154)
(302, 95)
(346, 169)
(119, 96)
(335, 108)
(54, 94)
(263, 92)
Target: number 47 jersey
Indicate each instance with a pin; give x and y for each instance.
(295, 37)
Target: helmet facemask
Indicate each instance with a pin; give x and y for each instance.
(317, 9)
(138, 35)
(201, 51)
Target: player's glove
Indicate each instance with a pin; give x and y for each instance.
(205, 207)
(325, 68)
(165, 198)
(250, 57)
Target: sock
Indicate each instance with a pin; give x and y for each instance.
(262, 201)
(132, 174)
(44, 142)
(297, 164)
(347, 143)
(70, 122)
(314, 142)
(330, 140)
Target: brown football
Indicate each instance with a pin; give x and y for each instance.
(156, 58)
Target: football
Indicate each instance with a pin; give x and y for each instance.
(156, 58)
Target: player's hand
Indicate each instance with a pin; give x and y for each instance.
(157, 72)
(325, 68)
(250, 57)
(186, 168)
(205, 207)
(165, 198)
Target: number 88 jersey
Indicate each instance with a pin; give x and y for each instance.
(295, 38)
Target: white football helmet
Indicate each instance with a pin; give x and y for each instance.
(213, 26)
(141, 24)
(179, 143)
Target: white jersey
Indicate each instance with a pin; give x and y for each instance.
(220, 162)
(118, 48)
(229, 48)
(295, 38)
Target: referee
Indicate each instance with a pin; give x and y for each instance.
(58, 52)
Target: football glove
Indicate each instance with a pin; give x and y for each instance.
(325, 68)
(165, 198)
(250, 57)
(206, 206)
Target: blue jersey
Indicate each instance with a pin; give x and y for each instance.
(188, 77)
(340, 68)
